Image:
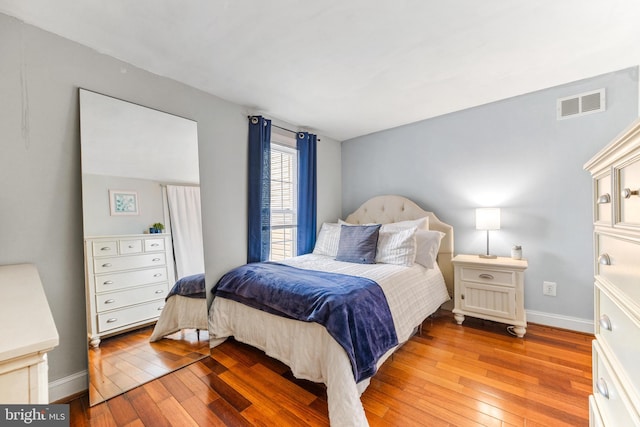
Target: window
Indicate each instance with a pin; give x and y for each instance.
(284, 198)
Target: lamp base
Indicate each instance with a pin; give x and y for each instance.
(488, 256)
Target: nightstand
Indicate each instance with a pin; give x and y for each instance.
(491, 289)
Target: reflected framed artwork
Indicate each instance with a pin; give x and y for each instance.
(123, 202)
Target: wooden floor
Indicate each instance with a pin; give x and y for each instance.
(471, 375)
(125, 361)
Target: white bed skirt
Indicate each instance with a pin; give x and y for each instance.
(180, 313)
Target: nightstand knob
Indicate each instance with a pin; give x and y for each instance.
(604, 259)
(605, 198)
(626, 193)
(486, 276)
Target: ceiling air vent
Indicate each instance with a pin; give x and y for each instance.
(579, 105)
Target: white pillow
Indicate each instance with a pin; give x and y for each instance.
(428, 245)
(328, 239)
(397, 247)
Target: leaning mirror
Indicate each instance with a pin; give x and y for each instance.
(144, 263)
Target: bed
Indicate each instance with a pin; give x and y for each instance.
(185, 308)
(413, 293)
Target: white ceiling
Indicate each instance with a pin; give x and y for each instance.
(345, 68)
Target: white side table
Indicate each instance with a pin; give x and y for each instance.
(491, 289)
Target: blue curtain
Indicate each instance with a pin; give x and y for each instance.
(307, 192)
(259, 189)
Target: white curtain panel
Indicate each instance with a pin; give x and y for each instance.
(186, 229)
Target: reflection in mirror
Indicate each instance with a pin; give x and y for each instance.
(144, 263)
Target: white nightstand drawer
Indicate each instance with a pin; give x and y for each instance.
(489, 276)
(613, 404)
(105, 248)
(114, 300)
(126, 316)
(130, 247)
(621, 335)
(106, 265)
(151, 245)
(115, 281)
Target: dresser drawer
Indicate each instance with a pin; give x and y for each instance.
(127, 316)
(111, 282)
(105, 248)
(629, 179)
(604, 199)
(621, 335)
(113, 300)
(106, 265)
(151, 245)
(128, 247)
(489, 276)
(595, 419)
(619, 261)
(612, 402)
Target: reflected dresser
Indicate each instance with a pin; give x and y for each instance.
(127, 280)
(616, 233)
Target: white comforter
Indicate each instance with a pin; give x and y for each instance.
(413, 294)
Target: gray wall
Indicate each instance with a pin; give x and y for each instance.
(512, 154)
(40, 178)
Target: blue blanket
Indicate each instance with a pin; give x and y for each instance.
(189, 286)
(353, 309)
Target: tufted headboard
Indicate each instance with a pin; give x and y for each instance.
(391, 208)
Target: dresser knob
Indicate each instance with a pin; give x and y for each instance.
(157, 275)
(156, 259)
(106, 248)
(605, 322)
(108, 282)
(462, 296)
(486, 276)
(113, 319)
(106, 264)
(605, 198)
(110, 301)
(155, 244)
(130, 246)
(627, 192)
(160, 308)
(601, 385)
(159, 291)
(604, 259)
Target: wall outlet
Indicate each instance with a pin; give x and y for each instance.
(549, 288)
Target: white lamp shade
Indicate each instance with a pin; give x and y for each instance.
(488, 219)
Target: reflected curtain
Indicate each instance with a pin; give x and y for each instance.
(307, 191)
(186, 229)
(259, 216)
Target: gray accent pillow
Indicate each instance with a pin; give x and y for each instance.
(358, 243)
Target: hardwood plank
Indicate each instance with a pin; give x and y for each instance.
(464, 375)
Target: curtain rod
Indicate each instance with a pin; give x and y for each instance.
(285, 129)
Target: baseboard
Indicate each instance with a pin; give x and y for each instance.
(560, 321)
(68, 386)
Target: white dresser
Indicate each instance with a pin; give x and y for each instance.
(490, 288)
(127, 279)
(616, 349)
(27, 334)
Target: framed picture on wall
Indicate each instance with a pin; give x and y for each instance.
(123, 202)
